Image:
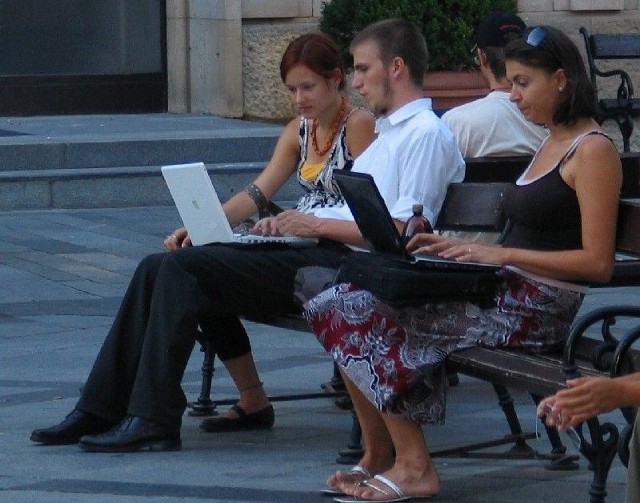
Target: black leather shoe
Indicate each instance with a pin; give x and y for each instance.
(260, 420)
(134, 434)
(69, 431)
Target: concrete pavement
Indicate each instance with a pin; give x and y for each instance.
(63, 272)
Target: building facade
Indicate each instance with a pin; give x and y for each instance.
(82, 56)
(223, 55)
(192, 56)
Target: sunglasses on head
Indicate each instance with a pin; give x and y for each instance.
(474, 55)
(536, 36)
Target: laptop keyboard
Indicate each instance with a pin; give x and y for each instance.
(289, 240)
(438, 262)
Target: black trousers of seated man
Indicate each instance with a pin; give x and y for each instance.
(140, 366)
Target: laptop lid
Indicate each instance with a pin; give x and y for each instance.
(370, 212)
(372, 216)
(197, 203)
(201, 211)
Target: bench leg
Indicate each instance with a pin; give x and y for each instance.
(336, 383)
(506, 404)
(625, 124)
(557, 447)
(204, 406)
(600, 452)
(626, 128)
(452, 378)
(560, 460)
(629, 414)
(353, 452)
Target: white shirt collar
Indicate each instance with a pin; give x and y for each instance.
(403, 113)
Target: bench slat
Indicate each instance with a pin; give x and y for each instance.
(537, 374)
(495, 169)
(508, 169)
(628, 233)
(633, 105)
(473, 207)
(616, 46)
(630, 174)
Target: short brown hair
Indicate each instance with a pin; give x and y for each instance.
(317, 52)
(398, 38)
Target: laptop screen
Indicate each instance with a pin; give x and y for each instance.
(376, 225)
(370, 212)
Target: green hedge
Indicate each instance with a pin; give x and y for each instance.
(448, 25)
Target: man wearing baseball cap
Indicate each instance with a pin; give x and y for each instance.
(493, 125)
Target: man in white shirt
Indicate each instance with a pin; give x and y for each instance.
(493, 125)
(135, 385)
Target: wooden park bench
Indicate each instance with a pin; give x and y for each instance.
(624, 107)
(476, 205)
(594, 347)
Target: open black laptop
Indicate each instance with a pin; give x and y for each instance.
(376, 225)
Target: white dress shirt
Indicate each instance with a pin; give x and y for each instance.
(493, 126)
(413, 160)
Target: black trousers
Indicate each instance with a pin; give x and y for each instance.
(140, 366)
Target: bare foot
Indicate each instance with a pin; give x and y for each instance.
(354, 476)
(396, 483)
(364, 470)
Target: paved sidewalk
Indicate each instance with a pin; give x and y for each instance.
(63, 273)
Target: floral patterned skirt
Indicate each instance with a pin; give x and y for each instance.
(396, 356)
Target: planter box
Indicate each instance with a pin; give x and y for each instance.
(448, 89)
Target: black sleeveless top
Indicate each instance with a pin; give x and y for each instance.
(544, 213)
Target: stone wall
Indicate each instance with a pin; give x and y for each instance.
(223, 55)
(598, 16)
(265, 96)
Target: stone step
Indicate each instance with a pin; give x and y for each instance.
(112, 187)
(37, 154)
(114, 160)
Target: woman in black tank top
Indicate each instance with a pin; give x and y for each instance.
(563, 211)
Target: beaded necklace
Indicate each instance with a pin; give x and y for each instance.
(332, 131)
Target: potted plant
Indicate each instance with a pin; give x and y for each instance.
(448, 26)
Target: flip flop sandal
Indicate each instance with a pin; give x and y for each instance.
(356, 470)
(395, 493)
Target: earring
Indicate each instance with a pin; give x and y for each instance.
(560, 88)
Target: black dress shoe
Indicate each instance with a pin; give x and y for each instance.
(260, 420)
(69, 431)
(134, 434)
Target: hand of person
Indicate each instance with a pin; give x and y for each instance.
(296, 223)
(266, 227)
(177, 239)
(584, 397)
(454, 248)
(432, 244)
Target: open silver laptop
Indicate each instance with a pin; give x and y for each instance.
(201, 211)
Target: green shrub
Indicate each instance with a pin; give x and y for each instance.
(448, 25)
